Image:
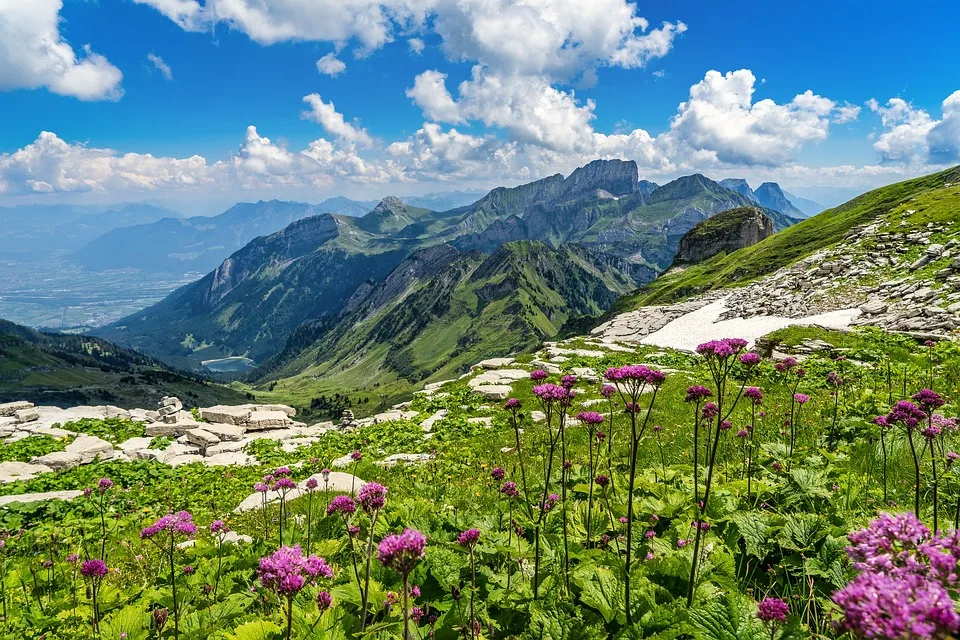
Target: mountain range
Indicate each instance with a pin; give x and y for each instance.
(600, 224)
(200, 243)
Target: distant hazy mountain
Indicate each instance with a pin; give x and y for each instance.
(38, 230)
(444, 200)
(200, 243)
(771, 196)
(807, 206)
(740, 186)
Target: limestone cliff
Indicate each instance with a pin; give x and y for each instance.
(723, 233)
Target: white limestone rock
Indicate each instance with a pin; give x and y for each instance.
(10, 408)
(337, 482)
(427, 424)
(25, 498)
(494, 391)
(59, 460)
(12, 471)
(90, 448)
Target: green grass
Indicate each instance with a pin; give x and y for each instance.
(801, 240)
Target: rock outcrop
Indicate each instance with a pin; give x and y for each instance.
(723, 233)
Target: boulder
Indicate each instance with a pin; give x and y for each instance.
(187, 458)
(89, 448)
(260, 420)
(486, 421)
(227, 414)
(10, 408)
(12, 471)
(337, 482)
(26, 415)
(225, 447)
(202, 438)
(228, 459)
(59, 460)
(342, 462)
(169, 430)
(427, 425)
(25, 498)
(404, 458)
(493, 363)
(494, 391)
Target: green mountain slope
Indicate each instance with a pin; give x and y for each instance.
(440, 311)
(62, 369)
(311, 270)
(798, 241)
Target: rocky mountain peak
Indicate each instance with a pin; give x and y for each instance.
(618, 177)
(684, 187)
(723, 233)
(771, 196)
(390, 204)
(739, 185)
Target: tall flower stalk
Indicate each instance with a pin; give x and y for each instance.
(402, 553)
(631, 381)
(720, 356)
(755, 395)
(929, 401)
(696, 394)
(909, 415)
(311, 486)
(99, 496)
(549, 395)
(164, 533)
(513, 406)
(346, 507)
(372, 498)
(468, 539)
(608, 391)
(94, 571)
(590, 419)
(219, 529)
(283, 485)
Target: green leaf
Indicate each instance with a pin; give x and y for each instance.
(729, 618)
(257, 630)
(753, 530)
(604, 592)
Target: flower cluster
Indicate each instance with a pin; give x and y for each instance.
(550, 393)
(342, 504)
(175, 523)
(906, 413)
(901, 589)
(773, 610)
(372, 497)
(590, 417)
(402, 552)
(722, 349)
(635, 373)
(754, 394)
(928, 400)
(287, 570)
(94, 569)
(510, 490)
(468, 538)
(696, 393)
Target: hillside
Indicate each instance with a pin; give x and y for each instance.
(902, 207)
(725, 232)
(65, 370)
(250, 304)
(440, 311)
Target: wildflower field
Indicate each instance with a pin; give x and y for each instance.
(723, 495)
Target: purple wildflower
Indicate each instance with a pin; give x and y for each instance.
(468, 538)
(94, 569)
(287, 570)
(372, 496)
(402, 552)
(773, 610)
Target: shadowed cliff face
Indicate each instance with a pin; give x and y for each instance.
(724, 233)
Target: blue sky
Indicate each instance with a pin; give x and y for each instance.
(530, 106)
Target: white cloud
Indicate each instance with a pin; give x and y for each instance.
(429, 92)
(160, 65)
(416, 45)
(912, 135)
(33, 54)
(721, 120)
(331, 65)
(326, 114)
(556, 38)
(846, 113)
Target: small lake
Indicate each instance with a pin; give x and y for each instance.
(233, 364)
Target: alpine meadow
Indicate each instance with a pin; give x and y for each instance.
(478, 320)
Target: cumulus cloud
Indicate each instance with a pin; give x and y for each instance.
(558, 38)
(721, 119)
(846, 113)
(429, 92)
(912, 135)
(331, 65)
(160, 65)
(416, 45)
(34, 54)
(326, 114)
